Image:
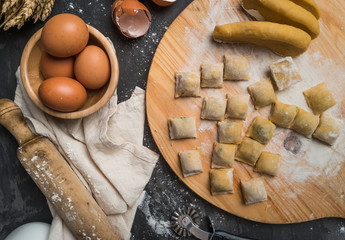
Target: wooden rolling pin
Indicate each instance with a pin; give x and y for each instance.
(56, 179)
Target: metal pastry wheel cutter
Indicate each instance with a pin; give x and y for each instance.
(184, 222)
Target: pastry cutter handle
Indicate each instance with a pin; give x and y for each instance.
(220, 235)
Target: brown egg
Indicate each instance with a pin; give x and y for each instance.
(62, 94)
(92, 67)
(164, 3)
(64, 35)
(51, 66)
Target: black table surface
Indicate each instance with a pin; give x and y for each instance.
(22, 202)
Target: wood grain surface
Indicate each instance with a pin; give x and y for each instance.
(311, 183)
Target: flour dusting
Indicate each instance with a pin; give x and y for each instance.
(207, 126)
(159, 226)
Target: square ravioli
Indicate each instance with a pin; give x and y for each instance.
(328, 130)
(221, 181)
(319, 98)
(213, 108)
(285, 73)
(237, 106)
(182, 127)
(261, 130)
(212, 75)
(305, 123)
(283, 114)
(236, 68)
(249, 151)
(223, 155)
(268, 163)
(253, 190)
(187, 84)
(262, 93)
(190, 162)
(230, 132)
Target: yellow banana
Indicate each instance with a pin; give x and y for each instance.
(309, 5)
(282, 39)
(285, 12)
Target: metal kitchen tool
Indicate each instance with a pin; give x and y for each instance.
(184, 223)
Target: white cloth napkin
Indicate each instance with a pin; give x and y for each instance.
(105, 150)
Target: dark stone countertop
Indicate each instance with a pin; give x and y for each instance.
(22, 202)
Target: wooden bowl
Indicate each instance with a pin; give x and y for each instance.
(32, 77)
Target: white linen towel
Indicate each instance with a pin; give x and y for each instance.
(105, 150)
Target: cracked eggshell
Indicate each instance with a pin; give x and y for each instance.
(163, 3)
(131, 17)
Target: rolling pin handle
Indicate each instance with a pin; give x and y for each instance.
(12, 119)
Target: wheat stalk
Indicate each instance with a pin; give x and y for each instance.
(23, 15)
(38, 11)
(7, 5)
(47, 9)
(12, 12)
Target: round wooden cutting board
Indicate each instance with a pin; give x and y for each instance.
(311, 182)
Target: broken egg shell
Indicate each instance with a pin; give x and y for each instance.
(131, 17)
(163, 3)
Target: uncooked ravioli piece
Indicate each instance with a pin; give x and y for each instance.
(182, 127)
(187, 84)
(253, 190)
(319, 98)
(328, 130)
(236, 68)
(190, 162)
(213, 108)
(230, 132)
(261, 130)
(223, 155)
(221, 181)
(283, 114)
(285, 73)
(268, 163)
(305, 123)
(262, 93)
(249, 151)
(237, 106)
(212, 75)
